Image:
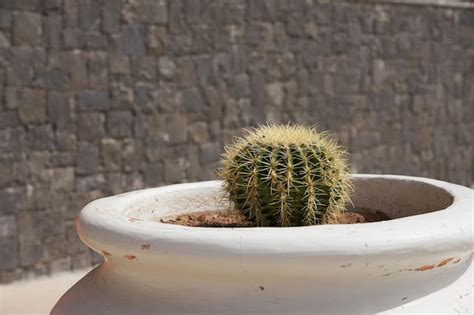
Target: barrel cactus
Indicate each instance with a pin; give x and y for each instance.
(286, 175)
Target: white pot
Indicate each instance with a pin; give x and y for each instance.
(420, 262)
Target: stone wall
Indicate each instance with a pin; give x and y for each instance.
(101, 97)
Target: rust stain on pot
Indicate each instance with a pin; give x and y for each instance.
(146, 246)
(130, 257)
(456, 261)
(444, 262)
(106, 253)
(262, 288)
(425, 267)
(133, 219)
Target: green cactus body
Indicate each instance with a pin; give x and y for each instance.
(286, 176)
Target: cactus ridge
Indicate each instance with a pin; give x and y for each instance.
(286, 176)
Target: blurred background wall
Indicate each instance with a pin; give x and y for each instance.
(101, 97)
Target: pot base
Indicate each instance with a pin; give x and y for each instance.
(102, 292)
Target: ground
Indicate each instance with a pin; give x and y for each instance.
(36, 296)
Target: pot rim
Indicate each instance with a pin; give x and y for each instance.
(104, 225)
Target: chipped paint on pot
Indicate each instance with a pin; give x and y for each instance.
(420, 262)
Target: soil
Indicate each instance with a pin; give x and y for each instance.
(235, 219)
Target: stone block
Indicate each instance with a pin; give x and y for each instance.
(139, 127)
(122, 95)
(98, 71)
(27, 227)
(27, 28)
(4, 40)
(175, 170)
(91, 100)
(62, 179)
(6, 18)
(54, 247)
(65, 140)
(111, 14)
(169, 101)
(94, 41)
(8, 119)
(119, 63)
(8, 252)
(51, 222)
(74, 63)
(193, 102)
(175, 129)
(194, 11)
(12, 170)
(132, 40)
(40, 138)
(61, 159)
(52, 30)
(51, 79)
(90, 182)
(89, 15)
(40, 196)
(7, 226)
(74, 243)
(258, 96)
(259, 36)
(87, 158)
(115, 183)
(263, 10)
(204, 72)
(153, 174)
(31, 105)
(38, 165)
(90, 126)
(71, 13)
(133, 154)
(51, 5)
(144, 68)
(146, 97)
(275, 94)
(216, 100)
(222, 68)
(111, 154)
(241, 86)
(154, 149)
(119, 124)
(30, 253)
(167, 68)
(72, 39)
(157, 39)
(11, 140)
(34, 56)
(210, 152)
(199, 132)
(60, 111)
(20, 74)
(155, 12)
(185, 72)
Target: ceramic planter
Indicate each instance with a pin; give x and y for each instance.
(420, 262)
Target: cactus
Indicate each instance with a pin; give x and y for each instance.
(286, 175)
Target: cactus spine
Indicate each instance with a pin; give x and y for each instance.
(285, 175)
